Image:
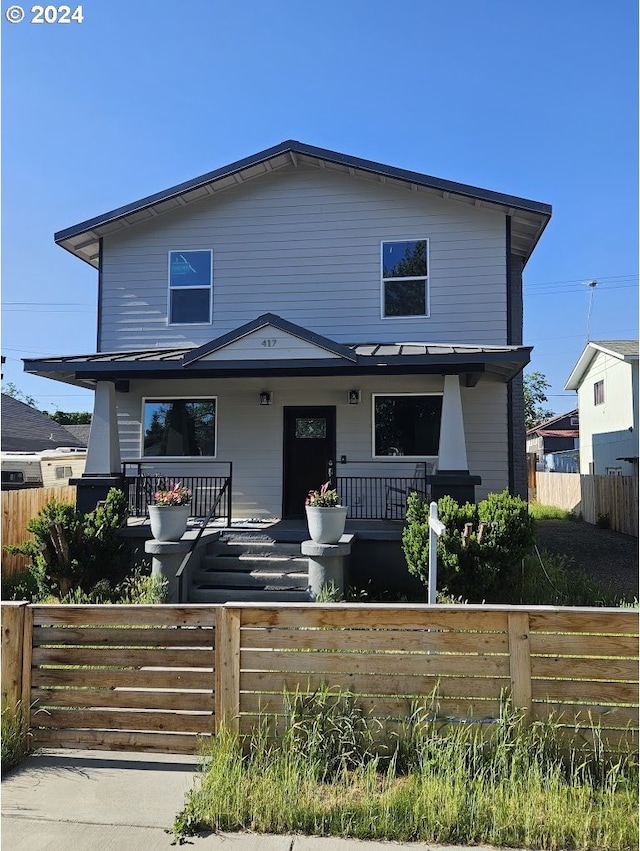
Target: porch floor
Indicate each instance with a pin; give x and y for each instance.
(290, 530)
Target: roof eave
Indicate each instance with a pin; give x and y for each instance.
(511, 203)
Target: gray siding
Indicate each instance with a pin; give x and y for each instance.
(305, 244)
(251, 436)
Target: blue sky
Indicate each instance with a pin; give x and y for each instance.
(533, 99)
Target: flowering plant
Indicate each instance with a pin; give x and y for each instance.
(324, 498)
(177, 495)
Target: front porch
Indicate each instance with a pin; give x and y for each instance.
(369, 498)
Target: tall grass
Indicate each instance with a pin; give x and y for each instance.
(15, 737)
(334, 773)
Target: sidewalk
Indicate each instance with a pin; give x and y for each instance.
(107, 801)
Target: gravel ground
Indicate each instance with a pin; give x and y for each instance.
(608, 556)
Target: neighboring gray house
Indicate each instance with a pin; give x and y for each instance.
(26, 429)
(301, 315)
(606, 380)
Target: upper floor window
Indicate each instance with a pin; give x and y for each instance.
(598, 393)
(179, 427)
(405, 279)
(190, 285)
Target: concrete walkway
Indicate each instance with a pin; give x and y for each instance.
(105, 801)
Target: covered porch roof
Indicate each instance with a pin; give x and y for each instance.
(302, 353)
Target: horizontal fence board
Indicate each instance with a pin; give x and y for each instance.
(125, 636)
(584, 691)
(599, 739)
(584, 645)
(572, 668)
(373, 663)
(125, 699)
(603, 621)
(150, 722)
(180, 743)
(384, 707)
(157, 657)
(125, 615)
(374, 640)
(622, 717)
(90, 677)
(419, 686)
(373, 617)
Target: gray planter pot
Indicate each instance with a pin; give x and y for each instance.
(326, 525)
(168, 522)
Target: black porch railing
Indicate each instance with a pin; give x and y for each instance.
(210, 494)
(383, 497)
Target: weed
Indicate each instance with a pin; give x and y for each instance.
(15, 736)
(336, 772)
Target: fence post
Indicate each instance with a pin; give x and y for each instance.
(227, 668)
(520, 663)
(12, 646)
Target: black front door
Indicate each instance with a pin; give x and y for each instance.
(309, 454)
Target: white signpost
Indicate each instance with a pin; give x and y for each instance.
(436, 528)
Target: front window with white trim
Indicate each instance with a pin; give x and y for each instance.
(177, 428)
(405, 279)
(406, 424)
(190, 287)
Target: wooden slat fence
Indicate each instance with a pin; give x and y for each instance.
(119, 677)
(20, 506)
(593, 496)
(160, 677)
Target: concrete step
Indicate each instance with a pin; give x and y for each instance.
(255, 579)
(204, 594)
(250, 547)
(249, 562)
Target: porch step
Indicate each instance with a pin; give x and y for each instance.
(247, 562)
(251, 568)
(265, 579)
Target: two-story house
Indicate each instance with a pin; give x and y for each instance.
(606, 380)
(301, 315)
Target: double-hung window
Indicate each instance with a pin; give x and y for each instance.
(190, 286)
(405, 278)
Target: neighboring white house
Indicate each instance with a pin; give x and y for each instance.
(606, 379)
(302, 315)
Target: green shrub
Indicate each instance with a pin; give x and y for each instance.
(71, 551)
(479, 565)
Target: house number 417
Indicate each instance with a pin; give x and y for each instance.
(269, 343)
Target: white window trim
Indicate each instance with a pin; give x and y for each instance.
(373, 429)
(159, 398)
(600, 381)
(427, 279)
(170, 288)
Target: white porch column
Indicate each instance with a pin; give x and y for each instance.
(452, 452)
(103, 453)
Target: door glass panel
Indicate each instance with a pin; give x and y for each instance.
(311, 428)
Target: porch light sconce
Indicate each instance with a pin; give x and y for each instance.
(354, 397)
(266, 397)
